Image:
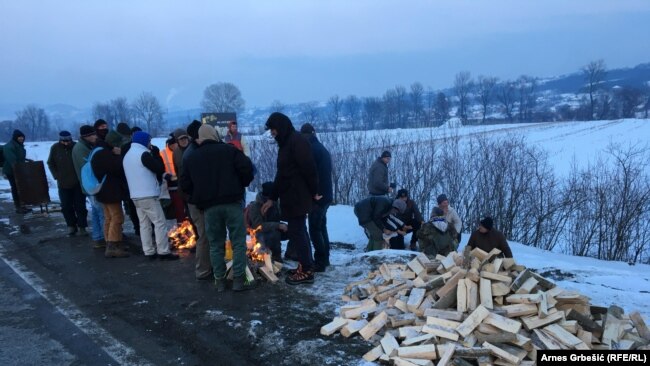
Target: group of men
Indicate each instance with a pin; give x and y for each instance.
(386, 220)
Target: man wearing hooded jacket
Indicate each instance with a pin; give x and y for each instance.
(296, 185)
(14, 152)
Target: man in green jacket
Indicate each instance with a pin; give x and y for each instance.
(14, 152)
(80, 151)
(73, 201)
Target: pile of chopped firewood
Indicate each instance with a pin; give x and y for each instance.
(476, 308)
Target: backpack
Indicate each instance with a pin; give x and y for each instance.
(89, 181)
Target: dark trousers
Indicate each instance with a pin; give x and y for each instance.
(179, 206)
(300, 240)
(272, 240)
(318, 233)
(73, 206)
(14, 190)
(416, 226)
(129, 208)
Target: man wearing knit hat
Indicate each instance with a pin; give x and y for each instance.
(101, 127)
(486, 237)
(14, 152)
(73, 201)
(215, 176)
(378, 176)
(144, 169)
(80, 152)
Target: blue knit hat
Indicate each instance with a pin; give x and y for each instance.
(142, 138)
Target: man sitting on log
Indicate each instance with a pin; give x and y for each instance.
(486, 237)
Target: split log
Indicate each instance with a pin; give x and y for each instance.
(472, 294)
(389, 344)
(333, 326)
(352, 327)
(472, 321)
(485, 291)
(503, 323)
(426, 352)
(444, 314)
(373, 354)
(498, 352)
(374, 326)
(533, 322)
(640, 325)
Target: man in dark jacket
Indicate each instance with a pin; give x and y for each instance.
(101, 128)
(108, 163)
(318, 215)
(14, 152)
(378, 176)
(80, 151)
(215, 176)
(73, 201)
(296, 185)
(412, 218)
(270, 228)
(202, 265)
(378, 217)
(486, 237)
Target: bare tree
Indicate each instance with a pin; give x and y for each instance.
(485, 90)
(400, 106)
(352, 110)
(149, 113)
(309, 113)
(390, 109)
(222, 97)
(594, 73)
(277, 106)
(506, 97)
(417, 103)
(526, 87)
(335, 106)
(33, 121)
(463, 86)
(441, 113)
(372, 112)
(121, 111)
(628, 100)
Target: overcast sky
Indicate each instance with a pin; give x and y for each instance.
(79, 52)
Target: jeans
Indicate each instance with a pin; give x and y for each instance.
(150, 211)
(113, 220)
(97, 217)
(300, 240)
(318, 233)
(73, 206)
(202, 266)
(217, 219)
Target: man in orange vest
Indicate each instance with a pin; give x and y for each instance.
(167, 155)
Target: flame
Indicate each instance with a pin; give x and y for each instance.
(254, 249)
(182, 236)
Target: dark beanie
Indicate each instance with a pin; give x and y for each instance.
(487, 222)
(114, 139)
(307, 129)
(17, 134)
(141, 138)
(276, 119)
(437, 212)
(386, 154)
(123, 129)
(193, 129)
(442, 198)
(65, 136)
(267, 189)
(135, 129)
(99, 122)
(86, 130)
(402, 193)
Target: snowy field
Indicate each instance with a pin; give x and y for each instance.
(605, 283)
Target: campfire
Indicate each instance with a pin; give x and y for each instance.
(259, 260)
(182, 236)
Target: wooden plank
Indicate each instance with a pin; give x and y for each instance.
(502, 337)
(268, 274)
(419, 339)
(473, 320)
(444, 314)
(500, 289)
(451, 284)
(352, 327)
(374, 326)
(545, 341)
(496, 277)
(333, 326)
(440, 331)
(517, 310)
(640, 325)
(461, 296)
(472, 294)
(524, 298)
(415, 299)
(446, 356)
(426, 352)
(533, 322)
(389, 344)
(383, 295)
(485, 291)
(527, 287)
(373, 354)
(442, 322)
(480, 254)
(503, 323)
(498, 352)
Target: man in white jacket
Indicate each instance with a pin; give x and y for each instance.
(451, 216)
(144, 169)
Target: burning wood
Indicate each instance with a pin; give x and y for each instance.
(182, 236)
(259, 259)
